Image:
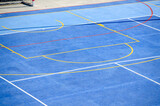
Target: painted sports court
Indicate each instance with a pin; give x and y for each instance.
(95, 54)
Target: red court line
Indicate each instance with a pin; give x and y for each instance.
(89, 35)
(142, 22)
(62, 7)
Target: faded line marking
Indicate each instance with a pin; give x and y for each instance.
(23, 91)
(144, 24)
(138, 73)
(36, 31)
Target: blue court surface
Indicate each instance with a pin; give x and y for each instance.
(104, 54)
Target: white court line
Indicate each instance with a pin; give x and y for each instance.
(26, 30)
(156, 15)
(82, 24)
(83, 68)
(145, 25)
(138, 74)
(122, 19)
(23, 91)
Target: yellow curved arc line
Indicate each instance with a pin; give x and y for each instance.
(93, 62)
(36, 31)
(88, 70)
(80, 50)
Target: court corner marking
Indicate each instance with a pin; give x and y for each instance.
(12, 51)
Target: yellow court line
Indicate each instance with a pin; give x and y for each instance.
(109, 67)
(86, 70)
(88, 48)
(80, 49)
(36, 31)
(93, 62)
(153, 4)
(103, 26)
(13, 51)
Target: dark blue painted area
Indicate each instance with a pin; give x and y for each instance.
(95, 55)
(106, 87)
(115, 86)
(139, 93)
(149, 69)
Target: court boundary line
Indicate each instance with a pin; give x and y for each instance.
(23, 91)
(93, 66)
(138, 73)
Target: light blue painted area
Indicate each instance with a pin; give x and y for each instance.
(115, 12)
(154, 2)
(39, 22)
